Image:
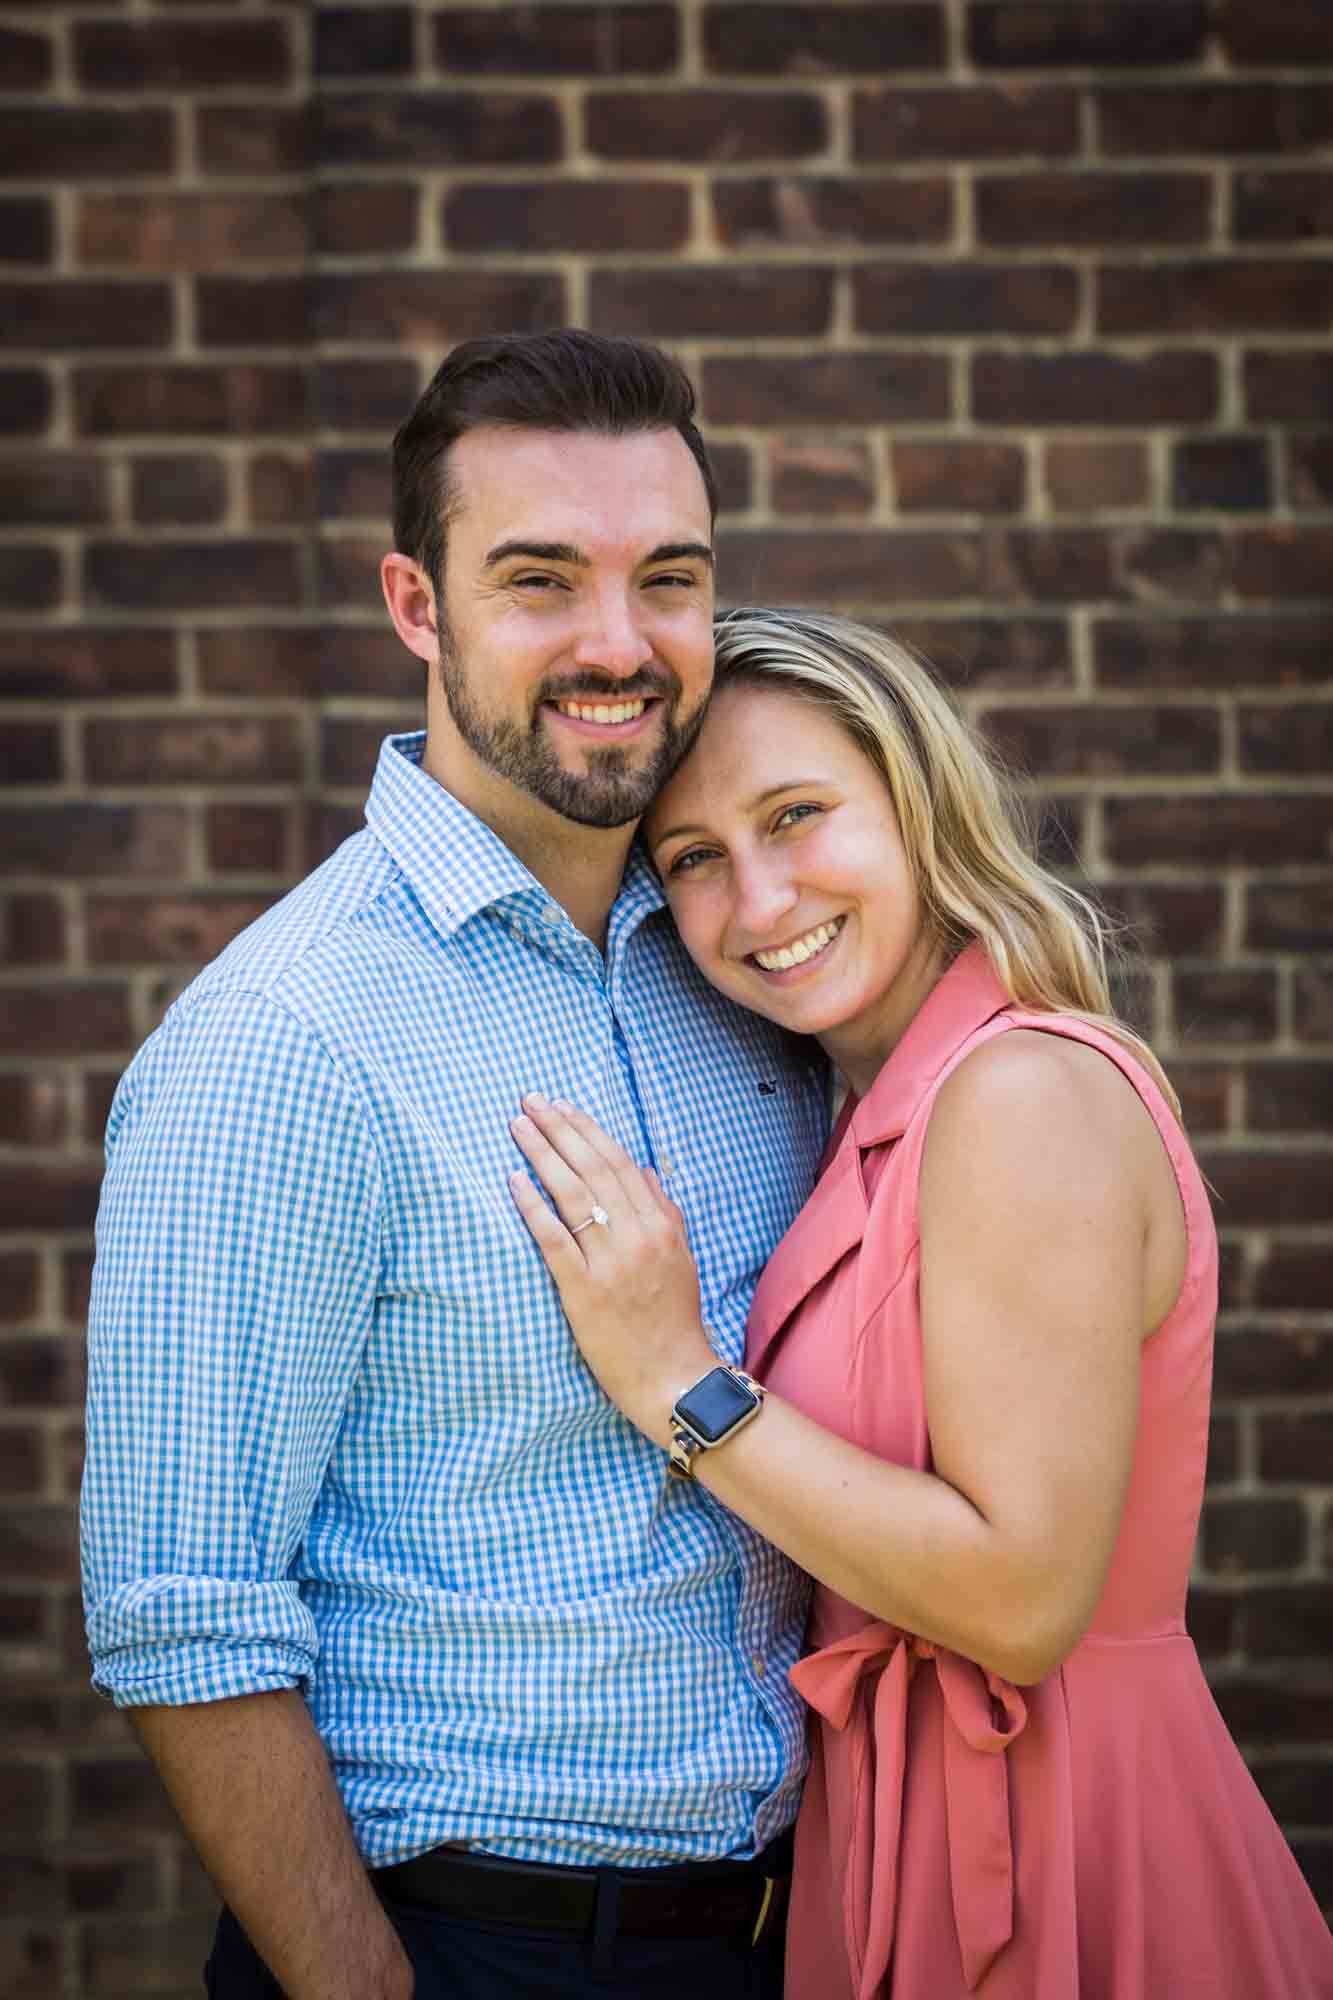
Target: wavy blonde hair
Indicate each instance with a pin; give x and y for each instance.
(962, 821)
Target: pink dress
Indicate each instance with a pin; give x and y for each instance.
(1095, 1836)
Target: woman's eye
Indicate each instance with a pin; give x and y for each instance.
(691, 858)
(792, 815)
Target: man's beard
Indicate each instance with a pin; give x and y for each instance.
(614, 790)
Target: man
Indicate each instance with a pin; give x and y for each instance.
(454, 1690)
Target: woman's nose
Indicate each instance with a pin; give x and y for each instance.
(765, 894)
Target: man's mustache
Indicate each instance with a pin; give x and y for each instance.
(644, 684)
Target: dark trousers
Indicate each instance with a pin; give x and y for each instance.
(457, 1960)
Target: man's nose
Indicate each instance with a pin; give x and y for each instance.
(613, 637)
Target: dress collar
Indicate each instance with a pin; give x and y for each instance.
(963, 999)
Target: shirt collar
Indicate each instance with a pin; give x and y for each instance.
(456, 866)
(963, 999)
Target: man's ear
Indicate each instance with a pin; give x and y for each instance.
(411, 601)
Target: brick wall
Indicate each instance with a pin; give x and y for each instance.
(1010, 322)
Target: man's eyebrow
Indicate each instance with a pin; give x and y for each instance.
(759, 799)
(562, 552)
(679, 551)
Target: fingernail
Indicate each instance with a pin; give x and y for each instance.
(535, 1097)
(562, 1104)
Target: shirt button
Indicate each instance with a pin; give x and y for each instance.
(760, 1665)
(666, 1168)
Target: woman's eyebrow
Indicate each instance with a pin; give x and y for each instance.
(759, 799)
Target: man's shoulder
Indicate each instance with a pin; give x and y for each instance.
(301, 946)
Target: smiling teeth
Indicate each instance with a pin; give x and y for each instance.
(797, 954)
(585, 711)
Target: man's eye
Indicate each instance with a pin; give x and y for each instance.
(683, 582)
(538, 582)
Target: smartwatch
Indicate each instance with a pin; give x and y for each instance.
(721, 1403)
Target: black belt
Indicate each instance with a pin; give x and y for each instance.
(695, 1899)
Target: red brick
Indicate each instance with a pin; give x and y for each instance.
(348, 568)
(83, 662)
(186, 930)
(353, 485)
(29, 1797)
(196, 748)
(27, 230)
(146, 1955)
(1220, 118)
(1269, 1189)
(827, 210)
(949, 477)
(1289, 1097)
(190, 232)
(437, 307)
(29, 577)
(1223, 651)
(1240, 1536)
(20, 1282)
(1087, 475)
(1086, 741)
(253, 139)
(1020, 34)
(864, 567)
(1216, 295)
(436, 128)
(1223, 472)
(1290, 740)
(1224, 1003)
(1285, 31)
(67, 1019)
(1283, 561)
(365, 221)
(1166, 563)
(556, 41)
(1312, 1002)
(1296, 1446)
(168, 400)
(43, 1371)
(97, 840)
(349, 747)
(1288, 385)
(1310, 470)
(54, 489)
(373, 396)
(97, 1885)
(32, 1106)
(81, 313)
(681, 126)
(814, 41)
(992, 653)
(965, 298)
(818, 387)
(181, 55)
(1219, 830)
(963, 124)
(1174, 386)
(732, 471)
(99, 1088)
(1289, 916)
(692, 300)
(85, 141)
(25, 401)
(280, 488)
(253, 312)
(821, 476)
(178, 486)
(30, 752)
(1021, 563)
(368, 660)
(246, 839)
(1297, 1277)
(1051, 208)
(1210, 1619)
(1296, 1789)
(178, 576)
(1168, 918)
(1204, 1090)
(26, 60)
(1282, 207)
(363, 41)
(325, 825)
(1264, 1708)
(32, 930)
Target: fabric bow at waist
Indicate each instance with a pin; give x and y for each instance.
(983, 1716)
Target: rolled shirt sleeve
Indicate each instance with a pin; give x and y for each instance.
(238, 1246)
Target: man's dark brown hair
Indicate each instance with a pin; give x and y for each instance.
(563, 380)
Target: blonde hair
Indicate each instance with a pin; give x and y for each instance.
(962, 822)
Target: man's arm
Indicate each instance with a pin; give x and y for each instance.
(251, 1782)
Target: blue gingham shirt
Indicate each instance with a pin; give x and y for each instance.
(340, 1437)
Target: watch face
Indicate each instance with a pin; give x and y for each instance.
(712, 1406)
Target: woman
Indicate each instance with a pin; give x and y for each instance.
(986, 1342)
